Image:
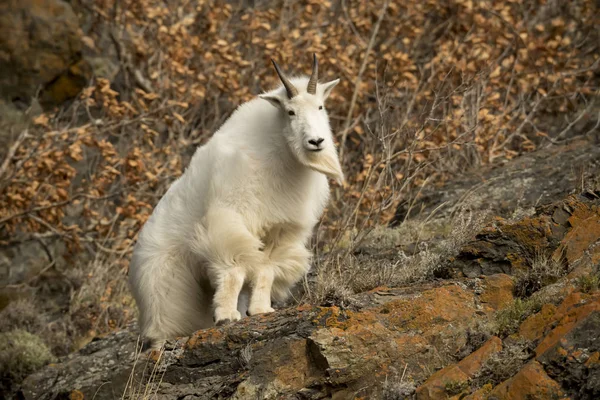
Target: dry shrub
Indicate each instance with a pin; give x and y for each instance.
(22, 314)
(343, 272)
(21, 353)
(588, 283)
(543, 271)
(397, 389)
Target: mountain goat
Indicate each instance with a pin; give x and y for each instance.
(232, 232)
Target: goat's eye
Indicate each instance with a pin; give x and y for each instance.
(291, 112)
(320, 107)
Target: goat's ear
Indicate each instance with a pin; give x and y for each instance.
(328, 87)
(276, 101)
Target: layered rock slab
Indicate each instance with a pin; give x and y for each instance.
(304, 352)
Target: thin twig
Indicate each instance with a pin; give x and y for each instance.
(53, 205)
(359, 79)
(12, 150)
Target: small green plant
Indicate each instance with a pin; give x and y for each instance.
(508, 320)
(588, 283)
(455, 387)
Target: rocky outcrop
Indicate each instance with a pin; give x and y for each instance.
(565, 363)
(565, 232)
(40, 48)
(303, 352)
(311, 352)
(516, 186)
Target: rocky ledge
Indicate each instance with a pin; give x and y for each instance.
(464, 337)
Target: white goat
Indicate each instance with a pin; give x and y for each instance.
(231, 233)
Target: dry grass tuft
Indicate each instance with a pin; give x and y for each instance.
(22, 314)
(588, 283)
(543, 271)
(504, 364)
(344, 272)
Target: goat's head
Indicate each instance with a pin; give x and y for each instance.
(307, 125)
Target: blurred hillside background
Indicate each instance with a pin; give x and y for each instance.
(103, 102)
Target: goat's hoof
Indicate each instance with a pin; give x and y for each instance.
(259, 310)
(223, 317)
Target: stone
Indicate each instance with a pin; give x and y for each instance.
(498, 291)
(575, 308)
(457, 375)
(509, 247)
(584, 232)
(536, 325)
(480, 394)
(574, 361)
(531, 180)
(531, 383)
(42, 51)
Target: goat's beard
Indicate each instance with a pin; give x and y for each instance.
(325, 161)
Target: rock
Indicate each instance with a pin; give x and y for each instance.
(457, 376)
(573, 309)
(106, 362)
(534, 327)
(43, 50)
(574, 361)
(531, 180)
(497, 292)
(320, 352)
(531, 383)
(567, 361)
(480, 394)
(567, 230)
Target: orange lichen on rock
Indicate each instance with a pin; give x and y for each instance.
(531, 383)
(205, 336)
(480, 394)
(584, 232)
(574, 308)
(432, 307)
(292, 374)
(498, 291)
(536, 325)
(436, 386)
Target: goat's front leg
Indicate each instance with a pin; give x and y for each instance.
(260, 290)
(228, 286)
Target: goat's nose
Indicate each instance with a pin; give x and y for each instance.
(316, 142)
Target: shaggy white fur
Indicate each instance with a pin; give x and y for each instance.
(231, 233)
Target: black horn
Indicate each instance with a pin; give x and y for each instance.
(312, 83)
(289, 88)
